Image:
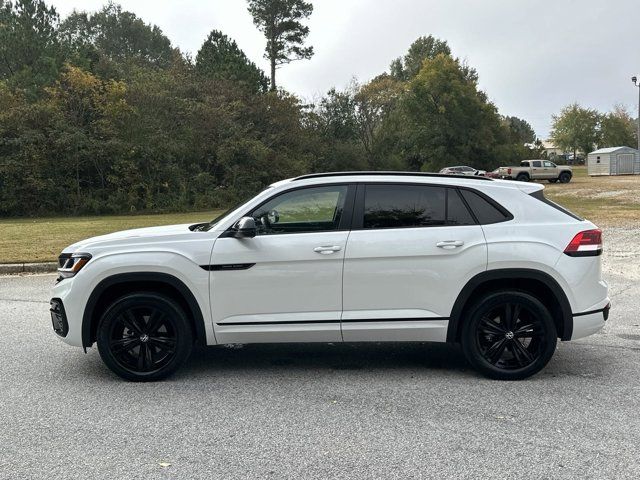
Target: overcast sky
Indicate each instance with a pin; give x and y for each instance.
(533, 56)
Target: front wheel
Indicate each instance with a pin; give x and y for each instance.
(509, 335)
(564, 177)
(144, 337)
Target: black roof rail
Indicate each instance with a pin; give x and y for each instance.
(394, 173)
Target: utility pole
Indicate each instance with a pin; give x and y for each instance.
(634, 79)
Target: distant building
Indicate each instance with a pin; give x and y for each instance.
(551, 149)
(614, 161)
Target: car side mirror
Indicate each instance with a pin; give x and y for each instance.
(245, 228)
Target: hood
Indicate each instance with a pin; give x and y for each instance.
(138, 236)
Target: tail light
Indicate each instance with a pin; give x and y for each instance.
(585, 244)
(509, 171)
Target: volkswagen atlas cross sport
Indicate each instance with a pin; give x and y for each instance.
(343, 257)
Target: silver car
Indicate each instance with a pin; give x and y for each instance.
(462, 170)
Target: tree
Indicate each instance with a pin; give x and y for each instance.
(520, 131)
(447, 120)
(424, 48)
(29, 51)
(575, 129)
(114, 35)
(280, 22)
(221, 58)
(374, 103)
(617, 129)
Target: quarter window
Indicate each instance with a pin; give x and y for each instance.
(404, 206)
(483, 210)
(317, 209)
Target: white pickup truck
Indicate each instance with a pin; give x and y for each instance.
(537, 170)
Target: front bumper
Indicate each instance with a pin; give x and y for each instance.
(59, 317)
(67, 309)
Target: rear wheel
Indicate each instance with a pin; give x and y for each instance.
(144, 337)
(522, 177)
(509, 335)
(565, 177)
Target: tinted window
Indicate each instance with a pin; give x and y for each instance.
(306, 210)
(398, 206)
(457, 212)
(536, 164)
(484, 211)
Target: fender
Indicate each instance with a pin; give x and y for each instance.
(456, 320)
(165, 278)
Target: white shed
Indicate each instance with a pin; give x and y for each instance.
(614, 161)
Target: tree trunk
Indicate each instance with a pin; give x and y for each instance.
(273, 73)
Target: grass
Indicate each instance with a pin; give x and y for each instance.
(606, 201)
(42, 239)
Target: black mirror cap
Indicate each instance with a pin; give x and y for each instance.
(246, 228)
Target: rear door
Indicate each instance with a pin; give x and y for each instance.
(412, 248)
(537, 171)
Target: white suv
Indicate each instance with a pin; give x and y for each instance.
(345, 257)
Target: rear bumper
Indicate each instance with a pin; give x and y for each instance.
(591, 321)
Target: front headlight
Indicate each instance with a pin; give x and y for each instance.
(72, 264)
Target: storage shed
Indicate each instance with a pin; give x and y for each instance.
(614, 161)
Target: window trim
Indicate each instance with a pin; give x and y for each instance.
(358, 210)
(345, 220)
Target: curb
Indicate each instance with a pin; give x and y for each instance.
(17, 268)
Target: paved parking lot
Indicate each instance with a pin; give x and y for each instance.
(320, 411)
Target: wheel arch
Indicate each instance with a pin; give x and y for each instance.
(116, 286)
(541, 284)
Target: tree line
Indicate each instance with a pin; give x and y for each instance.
(101, 113)
(579, 129)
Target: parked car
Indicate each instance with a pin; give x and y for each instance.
(537, 170)
(493, 174)
(345, 257)
(462, 170)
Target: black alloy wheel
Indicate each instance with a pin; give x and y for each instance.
(144, 337)
(509, 336)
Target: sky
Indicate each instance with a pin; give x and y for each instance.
(533, 56)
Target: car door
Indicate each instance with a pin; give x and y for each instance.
(285, 284)
(537, 171)
(550, 170)
(411, 250)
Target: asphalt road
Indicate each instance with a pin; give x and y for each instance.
(317, 411)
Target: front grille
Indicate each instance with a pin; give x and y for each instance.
(59, 317)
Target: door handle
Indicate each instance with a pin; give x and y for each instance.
(450, 244)
(327, 250)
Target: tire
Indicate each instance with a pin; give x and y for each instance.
(522, 177)
(565, 177)
(501, 349)
(553, 180)
(144, 337)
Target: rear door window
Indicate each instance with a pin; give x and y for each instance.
(405, 206)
